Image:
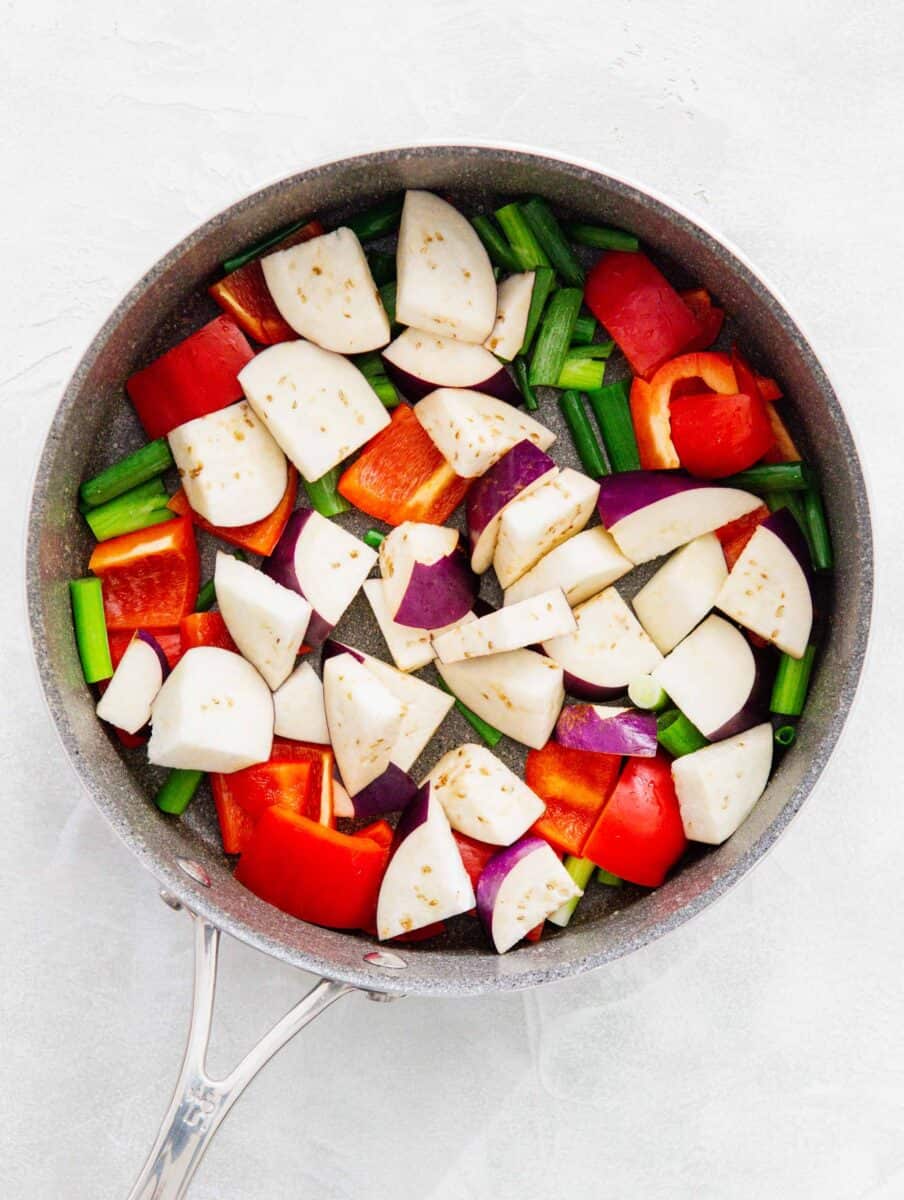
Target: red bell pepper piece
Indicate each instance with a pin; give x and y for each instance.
(169, 641)
(718, 435)
(197, 377)
(206, 629)
(574, 785)
(260, 537)
(244, 294)
(131, 741)
(534, 935)
(650, 402)
(639, 835)
(640, 309)
(313, 872)
(736, 534)
(474, 855)
(380, 832)
(709, 316)
(236, 826)
(150, 577)
(769, 389)
(782, 448)
(401, 476)
(422, 934)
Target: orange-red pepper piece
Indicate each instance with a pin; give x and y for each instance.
(150, 577)
(736, 534)
(650, 402)
(205, 629)
(574, 785)
(260, 537)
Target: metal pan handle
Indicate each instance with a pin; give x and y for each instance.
(200, 1103)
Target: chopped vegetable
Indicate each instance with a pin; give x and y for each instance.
(90, 629)
(472, 430)
(427, 582)
(298, 711)
(600, 237)
(198, 376)
(373, 538)
(716, 436)
(682, 591)
(646, 693)
(259, 537)
(639, 835)
(481, 797)
(324, 494)
(139, 675)
(634, 301)
(142, 507)
(581, 371)
(521, 368)
(497, 247)
(613, 415)
(554, 337)
(521, 885)
(378, 220)
(511, 628)
(526, 248)
(792, 679)
(585, 328)
(818, 530)
(512, 310)
(539, 521)
(768, 478)
(205, 629)
(519, 692)
(544, 281)
(607, 730)
(520, 470)
(490, 735)
(178, 791)
(734, 536)
(709, 316)
(581, 871)
(718, 786)
(548, 232)
(411, 647)
(419, 362)
(308, 228)
(364, 720)
(651, 402)
(785, 736)
(574, 785)
(128, 473)
(581, 566)
(586, 444)
(150, 577)
(382, 266)
(677, 734)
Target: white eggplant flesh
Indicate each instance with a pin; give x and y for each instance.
(472, 431)
(445, 278)
(482, 798)
(512, 308)
(425, 880)
(521, 470)
(265, 620)
(298, 708)
(524, 624)
(419, 362)
(536, 523)
(682, 591)
(364, 720)
(582, 566)
(323, 288)
(712, 677)
(230, 467)
(411, 648)
(126, 702)
(213, 713)
(343, 806)
(423, 709)
(519, 692)
(718, 786)
(768, 589)
(427, 582)
(316, 404)
(608, 649)
(520, 887)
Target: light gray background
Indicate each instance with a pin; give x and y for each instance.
(757, 1053)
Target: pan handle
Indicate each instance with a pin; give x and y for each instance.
(200, 1103)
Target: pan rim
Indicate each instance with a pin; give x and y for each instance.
(533, 972)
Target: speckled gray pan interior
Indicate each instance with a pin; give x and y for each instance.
(94, 424)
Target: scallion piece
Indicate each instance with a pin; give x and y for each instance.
(792, 679)
(385, 389)
(489, 734)
(374, 222)
(554, 337)
(771, 477)
(646, 693)
(544, 278)
(207, 592)
(785, 736)
(677, 735)
(581, 871)
(818, 529)
(388, 296)
(374, 539)
(255, 251)
(608, 878)
(520, 368)
(382, 266)
(599, 237)
(324, 494)
(588, 448)
(370, 364)
(548, 232)
(585, 374)
(91, 628)
(143, 506)
(136, 468)
(527, 250)
(178, 791)
(613, 415)
(497, 247)
(584, 330)
(591, 350)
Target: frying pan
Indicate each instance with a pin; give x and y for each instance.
(93, 425)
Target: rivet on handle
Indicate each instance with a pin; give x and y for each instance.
(193, 870)
(385, 959)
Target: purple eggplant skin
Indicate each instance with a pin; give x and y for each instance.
(755, 708)
(631, 733)
(585, 689)
(414, 814)
(280, 566)
(150, 640)
(495, 872)
(388, 793)
(500, 384)
(331, 648)
(627, 492)
(516, 470)
(438, 594)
